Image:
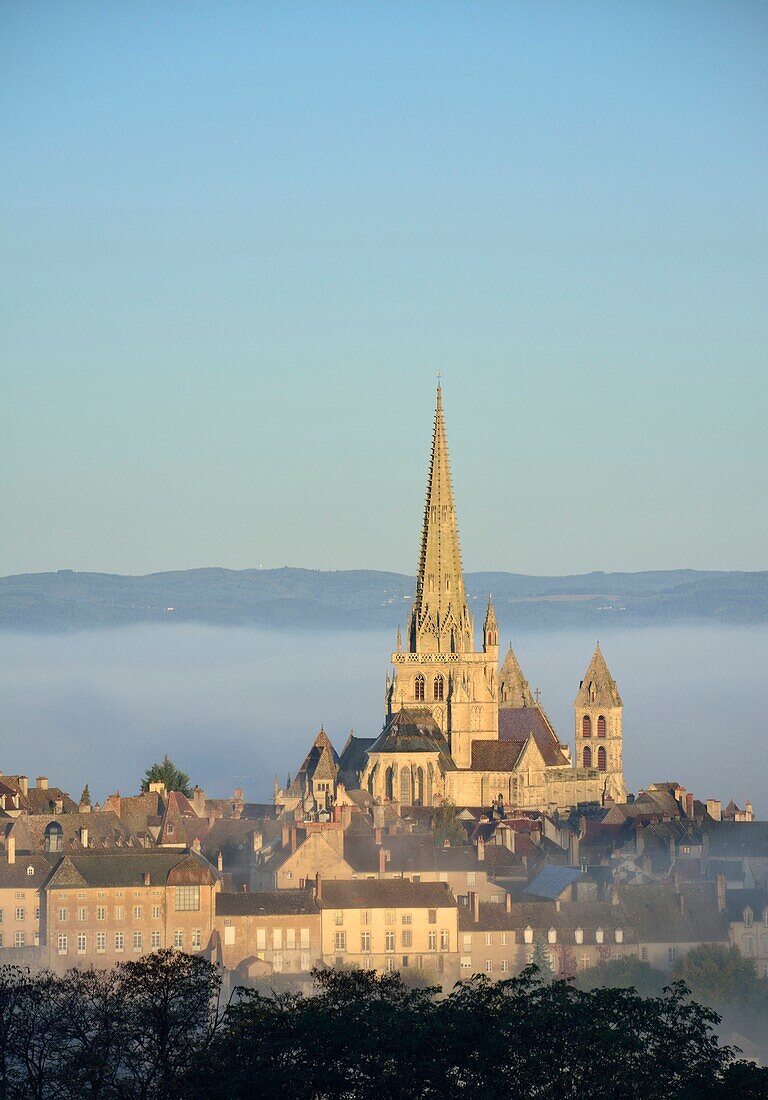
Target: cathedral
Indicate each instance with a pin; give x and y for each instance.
(458, 728)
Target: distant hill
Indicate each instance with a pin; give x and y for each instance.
(344, 600)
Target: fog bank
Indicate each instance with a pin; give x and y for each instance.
(233, 706)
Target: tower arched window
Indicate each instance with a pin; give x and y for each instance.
(587, 756)
(419, 692)
(389, 784)
(601, 726)
(439, 687)
(601, 759)
(586, 726)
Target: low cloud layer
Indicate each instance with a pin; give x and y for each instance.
(235, 706)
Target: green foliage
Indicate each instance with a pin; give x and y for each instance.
(627, 972)
(153, 1029)
(540, 959)
(168, 773)
(718, 975)
(446, 825)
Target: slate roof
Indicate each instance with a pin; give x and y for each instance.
(268, 903)
(736, 901)
(654, 912)
(395, 893)
(105, 830)
(541, 916)
(414, 730)
(16, 876)
(354, 757)
(738, 838)
(552, 880)
(106, 869)
(409, 853)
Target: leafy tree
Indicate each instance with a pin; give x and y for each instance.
(168, 773)
(627, 972)
(447, 825)
(540, 959)
(718, 975)
(170, 1006)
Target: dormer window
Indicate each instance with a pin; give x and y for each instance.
(30, 870)
(748, 917)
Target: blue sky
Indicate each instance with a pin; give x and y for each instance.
(239, 240)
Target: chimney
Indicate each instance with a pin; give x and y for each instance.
(689, 805)
(382, 860)
(573, 850)
(392, 828)
(196, 845)
(671, 844)
(639, 839)
(42, 783)
(508, 902)
(715, 809)
(480, 849)
(220, 861)
(147, 878)
(245, 887)
(257, 841)
(157, 787)
(11, 849)
(318, 887)
(285, 836)
(198, 801)
(721, 893)
(681, 903)
(293, 838)
(378, 833)
(474, 904)
(84, 836)
(24, 785)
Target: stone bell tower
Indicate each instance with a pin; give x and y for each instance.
(599, 738)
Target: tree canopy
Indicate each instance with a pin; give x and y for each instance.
(153, 1029)
(167, 772)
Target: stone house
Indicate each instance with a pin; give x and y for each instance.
(269, 932)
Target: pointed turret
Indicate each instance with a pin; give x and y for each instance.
(490, 628)
(514, 689)
(598, 688)
(440, 622)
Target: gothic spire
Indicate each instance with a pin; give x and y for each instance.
(514, 690)
(440, 622)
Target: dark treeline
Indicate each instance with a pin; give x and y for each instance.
(156, 1028)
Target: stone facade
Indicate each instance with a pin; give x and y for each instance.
(456, 727)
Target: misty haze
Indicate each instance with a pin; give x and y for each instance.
(235, 706)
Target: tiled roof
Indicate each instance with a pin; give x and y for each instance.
(105, 830)
(541, 916)
(395, 893)
(354, 757)
(321, 762)
(514, 690)
(495, 756)
(267, 903)
(654, 911)
(516, 724)
(600, 680)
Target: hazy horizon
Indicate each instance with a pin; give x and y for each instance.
(233, 706)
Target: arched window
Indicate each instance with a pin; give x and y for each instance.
(439, 687)
(587, 756)
(601, 759)
(405, 786)
(389, 780)
(420, 688)
(419, 792)
(586, 726)
(54, 837)
(601, 726)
